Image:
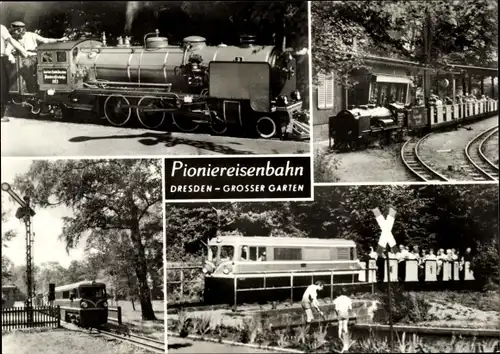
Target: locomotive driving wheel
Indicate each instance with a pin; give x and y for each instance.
(116, 110)
(218, 125)
(153, 119)
(186, 124)
(266, 127)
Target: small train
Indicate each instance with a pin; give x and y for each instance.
(246, 268)
(252, 87)
(359, 126)
(83, 303)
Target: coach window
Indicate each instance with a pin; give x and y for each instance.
(244, 253)
(47, 57)
(325, 91)
(287, 254)
(65, 294)
(353, 253)
(226, 253)
(61, 57)
(262, 254)
(212, 253)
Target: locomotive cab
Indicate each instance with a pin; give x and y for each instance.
(57, 65)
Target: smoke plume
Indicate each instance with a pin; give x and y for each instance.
(132, 9)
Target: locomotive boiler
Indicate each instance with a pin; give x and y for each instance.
(360, 126)
(250, 86)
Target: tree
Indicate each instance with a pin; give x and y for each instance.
(104, 195)
(6, 237)
(463, 32)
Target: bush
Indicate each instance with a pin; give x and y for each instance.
(324, 167)
(406, 307)
(485, 265)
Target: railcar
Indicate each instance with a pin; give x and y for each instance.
(84, 303)
(249, 86)
(261, 264)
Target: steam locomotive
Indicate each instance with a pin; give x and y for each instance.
(249, 86)
(361, 125)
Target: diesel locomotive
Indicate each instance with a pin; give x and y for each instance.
(250, 86)
(239, 269)
(83, 303)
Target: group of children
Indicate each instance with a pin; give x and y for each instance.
(342, 306)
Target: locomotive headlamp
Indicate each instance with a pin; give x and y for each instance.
(204, 270)
(51, 92)
(84, 304)
(219, 239)
(295, 95)
(225, 271)
(105, 304)
(188, 99)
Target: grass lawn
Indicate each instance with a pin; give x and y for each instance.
(133, 319)
(62, 341)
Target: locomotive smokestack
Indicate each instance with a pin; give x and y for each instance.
(132, 8)
(247, 40)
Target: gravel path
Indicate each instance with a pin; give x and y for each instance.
(444, 152)
(384, 164)
(371, 165)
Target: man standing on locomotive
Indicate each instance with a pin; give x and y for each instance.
(5, 40)
(309, 298)
(30, 41)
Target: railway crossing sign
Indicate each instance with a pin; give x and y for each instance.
(386, 224)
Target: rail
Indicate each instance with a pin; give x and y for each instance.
(483, 169)
(412, 160)
(147, 343)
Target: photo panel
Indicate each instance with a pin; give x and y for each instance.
(82, 255)
(419, 259)
(402, 92)
(155, 78)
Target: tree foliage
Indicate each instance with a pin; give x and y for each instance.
(462, 31)
(108, 197)
(218, 21)
(428, 216)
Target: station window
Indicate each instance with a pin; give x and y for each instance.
(325, 91)
(226, 253)
(47, 57)
(61, 57)
(383, 93)
(287, 254)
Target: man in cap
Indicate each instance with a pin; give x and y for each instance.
(7, 40)
(30, 41)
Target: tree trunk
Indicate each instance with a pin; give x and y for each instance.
(140, 265)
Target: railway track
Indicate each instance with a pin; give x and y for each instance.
(414, 163)
(147, 343)
(479, 167)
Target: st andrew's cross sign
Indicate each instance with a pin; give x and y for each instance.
(385, 224)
